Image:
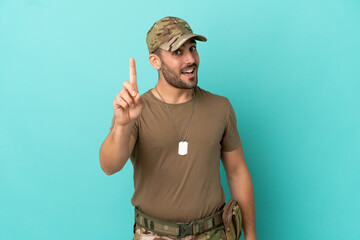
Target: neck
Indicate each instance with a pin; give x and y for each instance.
(172, 95)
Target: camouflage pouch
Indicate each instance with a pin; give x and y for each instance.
(232, 220)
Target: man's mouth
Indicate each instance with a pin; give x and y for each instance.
(190, 72)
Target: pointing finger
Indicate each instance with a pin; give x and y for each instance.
(132, 71)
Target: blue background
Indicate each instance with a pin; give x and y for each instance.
(290, 69)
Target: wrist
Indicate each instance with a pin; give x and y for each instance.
(250, 236)
(123, 127)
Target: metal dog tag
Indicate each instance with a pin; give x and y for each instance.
(183, 148)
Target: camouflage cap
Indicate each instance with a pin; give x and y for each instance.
(169, 34)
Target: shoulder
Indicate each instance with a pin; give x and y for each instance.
(148, 98)
(211, 98)
(146, 95)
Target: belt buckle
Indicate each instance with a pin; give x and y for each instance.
(185, 229)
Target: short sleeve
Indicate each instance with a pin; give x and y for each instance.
(231, 139)
(134, 131)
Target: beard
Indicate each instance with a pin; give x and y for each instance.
(174, 79)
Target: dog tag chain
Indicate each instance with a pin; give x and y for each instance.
(183, 144)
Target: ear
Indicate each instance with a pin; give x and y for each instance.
(155, 61)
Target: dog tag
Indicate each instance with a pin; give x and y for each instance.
(183, 148)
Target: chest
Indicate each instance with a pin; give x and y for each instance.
(159, 131)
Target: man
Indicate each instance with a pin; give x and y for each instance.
(175, 135)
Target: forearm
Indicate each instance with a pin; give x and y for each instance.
(114, 152)
(241, 189)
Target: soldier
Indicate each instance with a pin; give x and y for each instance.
(175, 135)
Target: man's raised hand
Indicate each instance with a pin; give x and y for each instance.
(127, 104)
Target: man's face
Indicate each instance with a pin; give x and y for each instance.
(179, 67)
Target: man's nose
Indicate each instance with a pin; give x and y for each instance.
(189, 57)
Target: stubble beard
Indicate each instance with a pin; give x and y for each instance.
(174, 79)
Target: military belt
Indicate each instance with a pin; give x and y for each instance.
(179, 230)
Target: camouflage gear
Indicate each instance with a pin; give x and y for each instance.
(177, 229)
(215, 234)
(169, 34)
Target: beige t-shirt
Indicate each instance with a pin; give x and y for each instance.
(182, 188)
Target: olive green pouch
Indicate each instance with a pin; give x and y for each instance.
(232, 220)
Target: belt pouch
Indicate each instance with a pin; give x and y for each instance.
(232, 220)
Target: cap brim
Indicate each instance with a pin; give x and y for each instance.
(177, 41)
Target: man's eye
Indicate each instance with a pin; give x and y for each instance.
(193, 48)
(177, 52)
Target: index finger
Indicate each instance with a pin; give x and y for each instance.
(132, 71)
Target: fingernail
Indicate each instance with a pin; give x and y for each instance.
(133, 93)
(132, 105)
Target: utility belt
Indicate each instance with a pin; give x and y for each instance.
(229, 216)
(178, 230)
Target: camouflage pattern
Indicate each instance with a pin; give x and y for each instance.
(215, 234)
(169, 34)
(172, 229)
